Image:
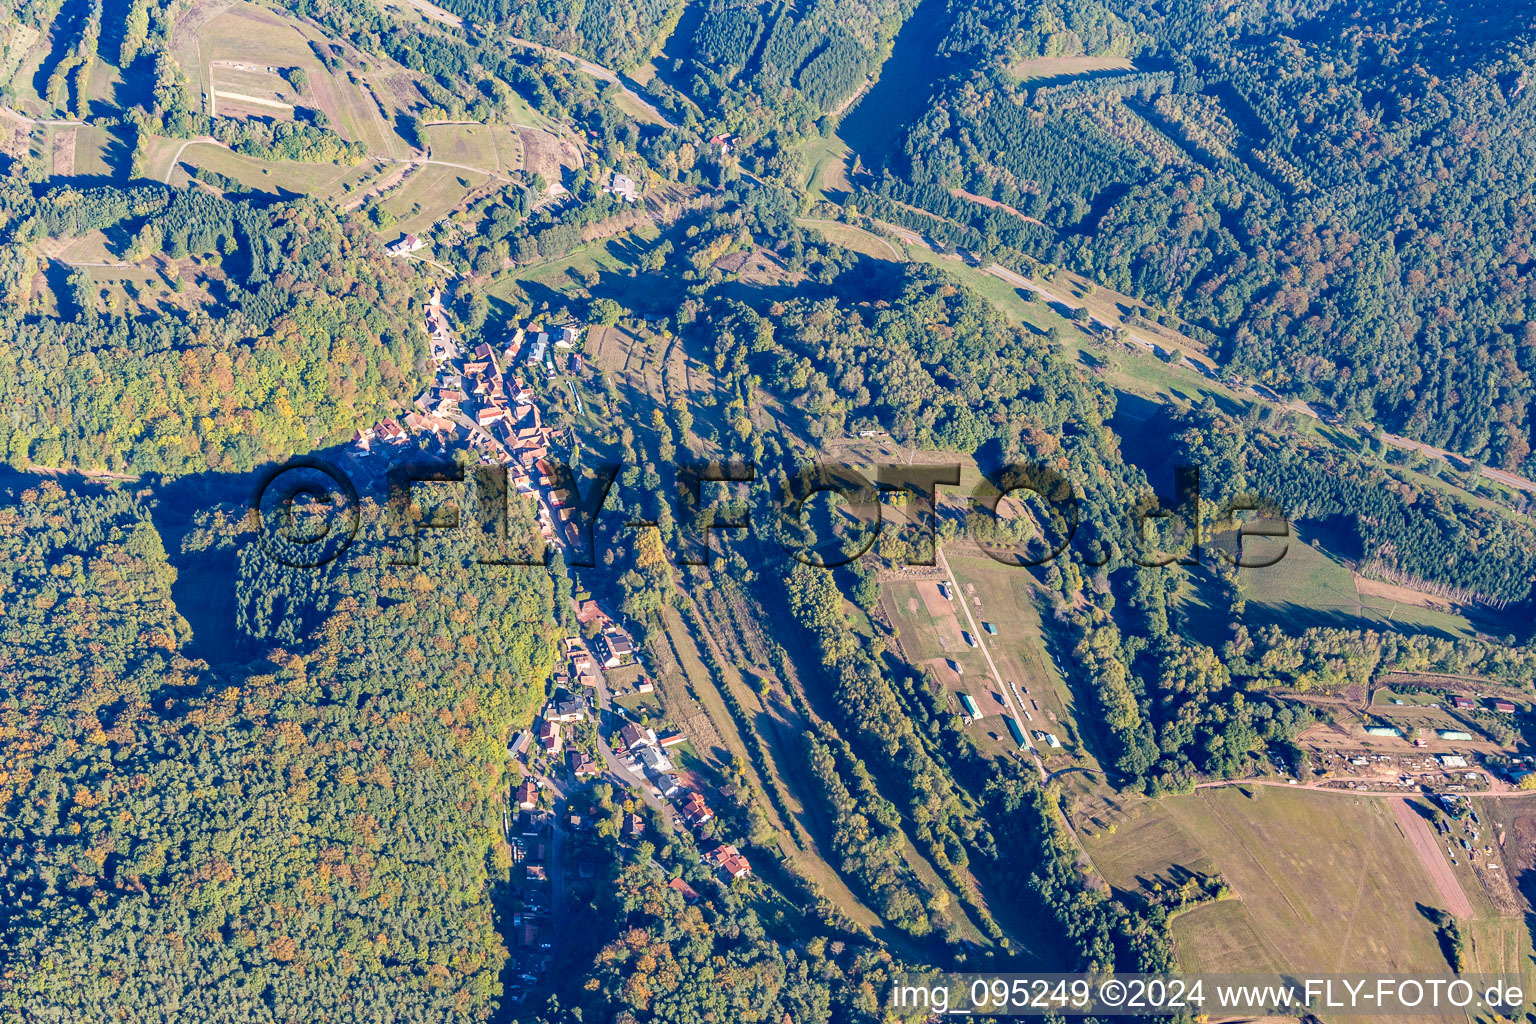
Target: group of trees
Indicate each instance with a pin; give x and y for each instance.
(709, 952)
(1331, 659)
(1379, 515)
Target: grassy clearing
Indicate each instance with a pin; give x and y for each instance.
(857, 239)
(1038, 69)
(1324, 882)
(96, 152)
(271, 176)
(609, 259)
(91, 247)
(487, 147)
(430, 195)
(828, 159)
(1310, 583)
(159, 152)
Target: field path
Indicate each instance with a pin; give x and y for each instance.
(176, 160)
(61, 121)
(1428, 848)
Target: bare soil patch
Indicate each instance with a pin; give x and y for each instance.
(64, 151)
(1402, 595)
(1427, 846)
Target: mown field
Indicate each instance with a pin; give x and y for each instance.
(1310, 586)
(1323, 882)
(850, 236)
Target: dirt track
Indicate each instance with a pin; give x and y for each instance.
(1428, 848)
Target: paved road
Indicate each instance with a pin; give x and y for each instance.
(617, 767)
(1209, 369)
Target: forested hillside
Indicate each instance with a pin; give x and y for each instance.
(1335, 201)
(313, 835)
(298, 331)
(619, 33)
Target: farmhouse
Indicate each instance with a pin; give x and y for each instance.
(1463, 703)
(407, 245)
(1504, 706)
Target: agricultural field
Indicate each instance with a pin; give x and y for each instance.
(241, 59)
(274, 177)
(493, 148)
(97, 152)
(1322, 881)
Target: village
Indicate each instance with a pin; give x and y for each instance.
(584, 735)
(479, 402)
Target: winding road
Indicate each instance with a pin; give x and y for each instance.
(1209, 369)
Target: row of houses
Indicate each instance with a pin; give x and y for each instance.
(1468, 704)
(478, 402)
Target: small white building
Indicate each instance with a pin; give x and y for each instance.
(622, 186)
(407, 245)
